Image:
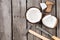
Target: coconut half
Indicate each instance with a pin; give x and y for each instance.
(49, 21)
(33, 15)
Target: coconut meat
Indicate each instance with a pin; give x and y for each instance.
(33, 15)
(43, 6)
(50, 21)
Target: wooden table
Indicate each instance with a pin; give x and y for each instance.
(13, 23)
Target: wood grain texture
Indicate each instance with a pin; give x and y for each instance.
(58, 16)
(33, 3)
(19, 21)
(19, 7)
(52, 31)
(5, 19)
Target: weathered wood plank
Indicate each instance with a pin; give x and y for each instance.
(5, 19)
(1, 22)
(19, 21)
(52, 31)
(58, 15)
(33, 3)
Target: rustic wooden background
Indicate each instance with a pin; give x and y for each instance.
(13, 23)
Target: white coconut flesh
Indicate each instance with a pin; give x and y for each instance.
(33, 15)
(49, 21)
(43, 6)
